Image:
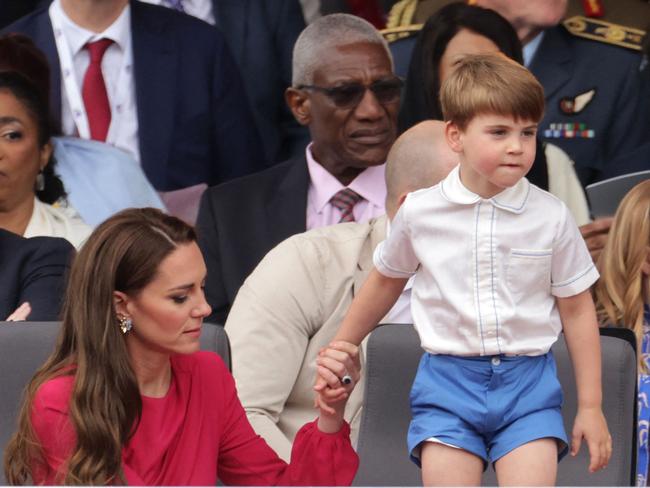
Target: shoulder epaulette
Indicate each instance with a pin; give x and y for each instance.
(603, 31)
(400, 15)
(395, 33)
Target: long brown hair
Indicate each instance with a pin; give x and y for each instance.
(619, 293)
(122, 254)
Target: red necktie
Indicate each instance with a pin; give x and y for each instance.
(345, 200)
(98, 109)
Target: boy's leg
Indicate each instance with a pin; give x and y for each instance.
(448, 466)
(531, 464)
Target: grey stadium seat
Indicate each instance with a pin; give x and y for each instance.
(392, 357)
(24, 346)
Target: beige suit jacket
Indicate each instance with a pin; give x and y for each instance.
(286, 310)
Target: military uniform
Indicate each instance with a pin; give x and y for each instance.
(596, 97)
(596, 84)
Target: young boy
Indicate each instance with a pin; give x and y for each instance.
(500, 270)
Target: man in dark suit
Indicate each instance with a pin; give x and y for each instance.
(33, 271)
(345, 92)
(192, 120)
(261, 35)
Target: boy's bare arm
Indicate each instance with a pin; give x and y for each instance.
(583, 341)
(375, 299)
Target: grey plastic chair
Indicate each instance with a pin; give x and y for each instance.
(24, 346)
(392, 358)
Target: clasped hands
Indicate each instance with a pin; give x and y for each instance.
(334, 362)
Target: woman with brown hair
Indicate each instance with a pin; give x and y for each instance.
(127, 398)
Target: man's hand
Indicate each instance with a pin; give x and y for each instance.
(21, 313)
(595, 235)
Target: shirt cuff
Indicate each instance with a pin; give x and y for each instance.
(384, 268)
(577, 284)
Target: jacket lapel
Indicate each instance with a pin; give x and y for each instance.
(377, 233)
(154, 64)
(552, 63)
(43, 37)
(232, 17)
(287, 210)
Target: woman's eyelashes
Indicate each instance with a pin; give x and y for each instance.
(179, 299)
(12, 135)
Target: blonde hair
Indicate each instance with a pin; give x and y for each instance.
(619, 294)
(491, 84)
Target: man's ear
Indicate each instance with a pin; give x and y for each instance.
(453, 136)
(299, 104)
(121, 303)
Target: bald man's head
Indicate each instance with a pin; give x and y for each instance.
(419, 158)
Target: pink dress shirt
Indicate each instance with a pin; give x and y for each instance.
(370, 184)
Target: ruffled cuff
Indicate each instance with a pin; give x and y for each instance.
(321, 459)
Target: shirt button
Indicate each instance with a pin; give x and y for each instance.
(496, 361)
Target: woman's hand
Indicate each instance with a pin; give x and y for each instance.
(21, 313)
(335, 365)
(595, 235)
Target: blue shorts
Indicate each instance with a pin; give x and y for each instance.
(486, 405)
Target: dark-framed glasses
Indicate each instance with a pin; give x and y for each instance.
(349, 95)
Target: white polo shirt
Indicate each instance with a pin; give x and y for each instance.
(486, 270)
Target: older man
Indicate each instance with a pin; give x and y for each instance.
(294, 301)
(344, 90)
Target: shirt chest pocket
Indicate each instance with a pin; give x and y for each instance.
(528, 275)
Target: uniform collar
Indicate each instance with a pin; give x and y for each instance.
(512, 199)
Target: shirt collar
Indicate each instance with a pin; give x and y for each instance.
(370, 183)
(119, 31)
(512, 199)
(530, 48)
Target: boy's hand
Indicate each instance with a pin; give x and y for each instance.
(590, 423)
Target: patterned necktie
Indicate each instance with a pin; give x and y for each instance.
(94, 92)
(345, 200)
(176, 5)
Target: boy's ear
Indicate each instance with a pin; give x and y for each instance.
(452, 134)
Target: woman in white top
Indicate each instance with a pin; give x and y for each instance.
(29, 188)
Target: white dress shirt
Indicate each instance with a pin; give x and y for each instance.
(201, 9)
(487, 271)
(117, 70)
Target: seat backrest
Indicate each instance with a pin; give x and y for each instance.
(24, 347)
(215, 339)
(392, 358)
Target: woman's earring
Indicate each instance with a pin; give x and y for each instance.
(40, 181)
(126, 324)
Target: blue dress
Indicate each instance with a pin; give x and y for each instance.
(644, 408)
